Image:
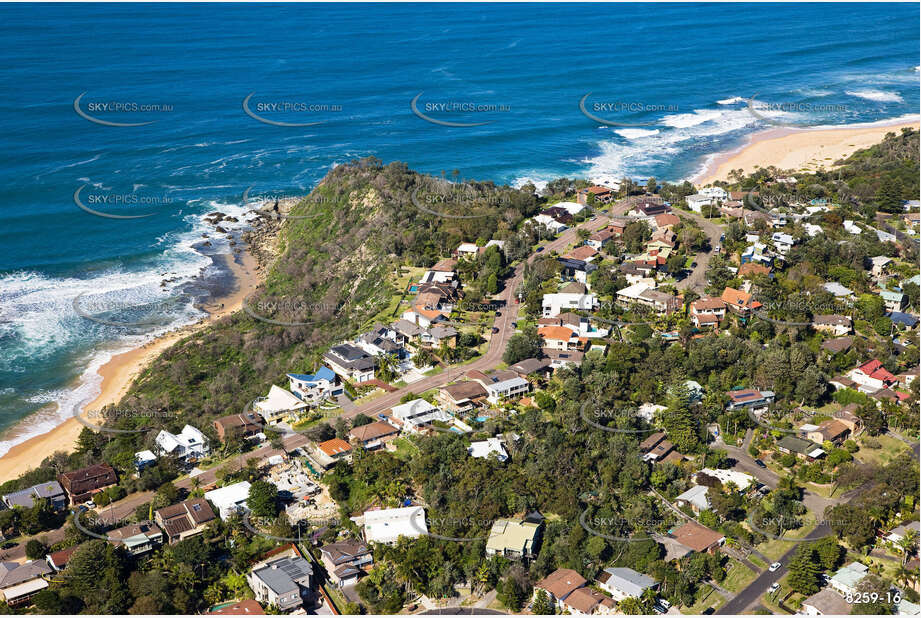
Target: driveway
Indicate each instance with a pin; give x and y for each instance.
(697, 280)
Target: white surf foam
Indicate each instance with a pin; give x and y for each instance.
(635, 133)
(880, 96)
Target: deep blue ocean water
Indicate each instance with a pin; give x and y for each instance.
(678, 71)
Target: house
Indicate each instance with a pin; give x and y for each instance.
(707, 311)
(190, 444)
(872, 376)
(560, 584)
(715, 193)
(58, 560)
(573, 208)
(586, 602)
(50, 491)
(739, 302)
(753, 399)
(582, 253)
(812, 230)
(314, 388)
(756, 253)
(831, 430)
(20, 582)
(81, 484)
(851, 228)
(486, 449)
(513, 538)
(740, 480)
(387, 525)
(846, 579)
(656, 448)
(561, 338)
(879, 265)
(549, 222)
(623, 583)
(346, 561)
(894, 301)
(137, 539)
(698, 201)
(847, 416)
(905, 319)
(373, 435)
(532, 366)
(283, 582)
(840, 344)
(438, 335)
(186, 519)
(278, 405)
(504, 384)
(647, 208)
(575, 268)
(600, 195)
(698, 538)
(912, 220)
(327, 454)
(467, 250)
(782, 242)
(572, 297)
(462, 396)
(836, 324)
(838, 291)
(241, 425)
(900, 532)
(660, 302)
(144, 459)
(246, 607)
(599, 239)
(559, 359)
(907, 377)
(802, 448)
(666, 221)
(417, 414)
(230, 500)
(578, 324)
(826, 602)
(695, 498)
(352, 363)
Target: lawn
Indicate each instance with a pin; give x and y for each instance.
(405, 449)
(889, 449)
(706, 597)
(738, 576)
(758, 562)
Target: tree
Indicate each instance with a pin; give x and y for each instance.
(526, 344)
(804, 571)
(542, 605)
(512, 591)
(263, 499)
(35, 549)
(651, 185)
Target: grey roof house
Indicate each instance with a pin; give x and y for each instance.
(51, 491)
(282, 582)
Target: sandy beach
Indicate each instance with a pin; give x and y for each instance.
(799, 149)
(120, 371)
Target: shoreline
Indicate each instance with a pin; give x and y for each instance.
(798, 149)
(121, 369)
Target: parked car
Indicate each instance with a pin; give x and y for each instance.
(760, 463)
(494, 330)
(773, 588)
(774, 567)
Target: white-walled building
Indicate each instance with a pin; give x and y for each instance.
(230, 500)
(190, 443)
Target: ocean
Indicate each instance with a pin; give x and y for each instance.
(224, 102)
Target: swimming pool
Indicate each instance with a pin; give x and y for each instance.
(481, 419)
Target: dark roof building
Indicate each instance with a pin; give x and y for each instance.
(81, 484)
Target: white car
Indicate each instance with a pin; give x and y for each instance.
(773, 587)
(774, 567)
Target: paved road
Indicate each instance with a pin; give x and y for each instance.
(697, 280)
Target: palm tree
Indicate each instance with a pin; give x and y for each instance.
(908, 544)
(386, 366)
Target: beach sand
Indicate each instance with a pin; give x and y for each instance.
(118, 373)
(799, 149)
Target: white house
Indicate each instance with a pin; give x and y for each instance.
(812, 229)
(388, 525)
(484, 449)
(554, 304)
(418, 413)
(467, 250)
(550, 223)
(697, 202)
(715, 193)
(230, 500)
(278, 404)
(572, 208)
(846, 579)
(190, 443)
(739, 479)
(782, 242)
(314, 388)
(695, 497)
(851, 228)
(623, 583)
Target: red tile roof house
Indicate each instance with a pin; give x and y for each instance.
(739, 302)
(603, 195)
(698, 538)
(587, 601)
(559, 585)
(59, 559)
(81, 484)
(872, 376)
